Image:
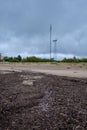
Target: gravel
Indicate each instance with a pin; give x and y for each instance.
(35, 101)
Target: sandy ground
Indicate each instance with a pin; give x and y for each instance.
(60, 69)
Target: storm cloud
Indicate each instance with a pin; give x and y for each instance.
(24, 27)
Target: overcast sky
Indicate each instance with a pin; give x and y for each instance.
(24, 27)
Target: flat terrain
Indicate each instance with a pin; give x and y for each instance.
(60, 69)
(52, 100)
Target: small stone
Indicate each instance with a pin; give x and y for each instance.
(79, 128)
(28, 82)
(63, 114)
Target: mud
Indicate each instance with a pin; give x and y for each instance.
(35, 101)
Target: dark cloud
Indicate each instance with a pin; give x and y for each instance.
(24, 26)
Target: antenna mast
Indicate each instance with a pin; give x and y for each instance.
(50, 40)
(55, 51)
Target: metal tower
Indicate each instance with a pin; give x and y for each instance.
(50, 40)
(55, 49)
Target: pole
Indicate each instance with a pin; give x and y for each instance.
(55, 41)
(50, 39)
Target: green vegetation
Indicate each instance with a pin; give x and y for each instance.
(74, 60)
(13, 59)
(36, 59)
(27, 59)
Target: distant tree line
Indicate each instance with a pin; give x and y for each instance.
(36, 59)
(74, 60)
(13, 59)
(27, 59)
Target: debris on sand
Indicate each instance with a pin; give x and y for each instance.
(35, 101)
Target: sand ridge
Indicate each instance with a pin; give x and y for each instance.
(60, 69)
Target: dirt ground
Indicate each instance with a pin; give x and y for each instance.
(60, 69)
(31, 100)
